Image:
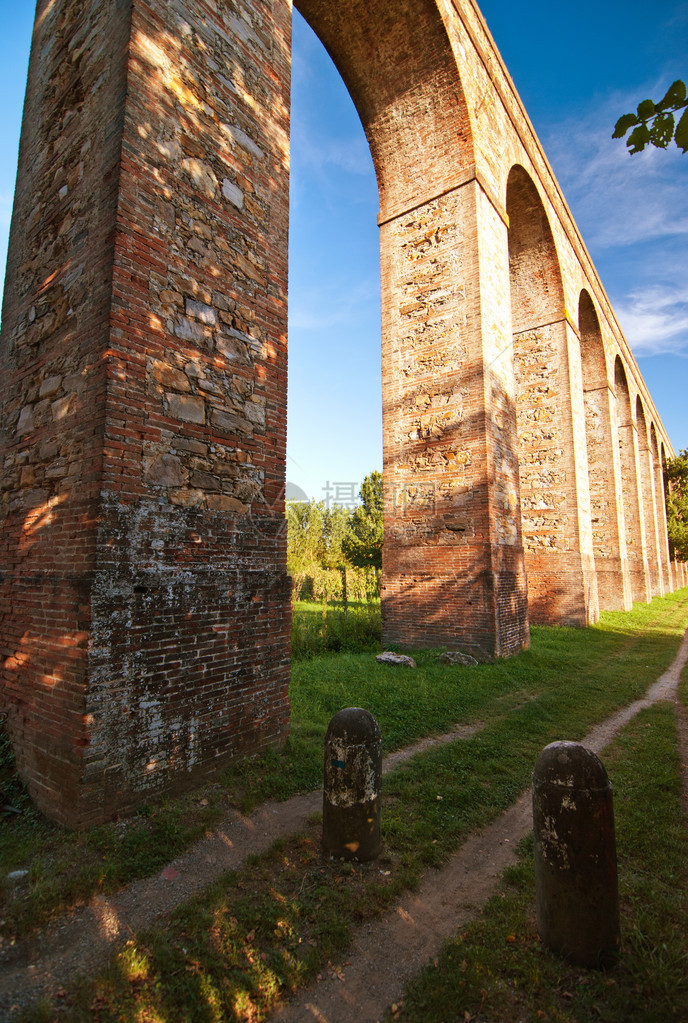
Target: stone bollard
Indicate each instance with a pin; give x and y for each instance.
(353, 774)
(575, 855)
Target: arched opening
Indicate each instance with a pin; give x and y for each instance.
(612, 580)
(334, 417)
(440, 579)
(648, 505)
(154, 323)
(660, 505)
(632, 510)
(557, 546)
(673, 571)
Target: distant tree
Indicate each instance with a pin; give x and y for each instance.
(336, 529)
(655, 122)
(305, 540)
(363, 544)
(676, 485)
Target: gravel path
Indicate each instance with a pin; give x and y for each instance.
(385, 955)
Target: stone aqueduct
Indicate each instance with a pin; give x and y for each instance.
(145, 600)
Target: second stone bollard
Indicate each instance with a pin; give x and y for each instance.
(352, 779)
(575, 855)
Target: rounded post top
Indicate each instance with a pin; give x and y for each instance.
(570, 765)
(354, 725)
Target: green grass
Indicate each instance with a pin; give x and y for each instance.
(333, 627)
(615, 661)
(271, 927)
(497, 969)
(568, 676)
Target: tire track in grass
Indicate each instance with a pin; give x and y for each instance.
(386, 954)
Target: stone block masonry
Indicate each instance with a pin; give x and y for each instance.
(144, 600)
(146, 614)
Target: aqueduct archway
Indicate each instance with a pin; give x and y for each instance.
(145, 597)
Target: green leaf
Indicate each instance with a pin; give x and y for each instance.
(662, 131)
(646, 109)
(625, 122)
(681, 136)
(675, 96)
(638, 139)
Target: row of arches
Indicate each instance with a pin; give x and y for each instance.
(455, 166)
(144, 359)
(593, 509)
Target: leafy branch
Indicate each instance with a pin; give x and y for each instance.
(655, 122)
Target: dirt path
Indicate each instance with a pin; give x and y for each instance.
(85, 939)
(384, 956)
(387, 954)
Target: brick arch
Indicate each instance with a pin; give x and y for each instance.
(440, 471)
(592, 347)
(404, 81)
(602, 449)
(675, 580)
(146, 605)
(630, 485)
(557, 538)
(537, 295)
(647, 501)
(660, 504)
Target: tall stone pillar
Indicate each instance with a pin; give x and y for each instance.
(611, 563)
(604, 473)
(557, 537)
(146, 606)
(636, 536)
(646, 477)
(453, 560)
(660, 504)
(634, 527)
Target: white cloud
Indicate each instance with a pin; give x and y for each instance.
(633, 217)
(655, 321)
(350, 155)
(618, 200)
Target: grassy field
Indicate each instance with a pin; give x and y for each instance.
(265, 930)
(321, 628)
(497, 969)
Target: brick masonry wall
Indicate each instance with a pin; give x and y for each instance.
(633, 510)
(55, 335)
(147, 625)
(647, 486)
(611, 565)
(552, 513)
(453, 565)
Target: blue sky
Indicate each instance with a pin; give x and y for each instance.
(577, 68)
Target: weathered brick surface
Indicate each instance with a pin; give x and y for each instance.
(147, 620)
(648, 492)
(611, 565)
(144, 599)
(633, 506)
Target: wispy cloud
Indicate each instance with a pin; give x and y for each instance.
(655, 321)
(633, 216)
(348, 154)
(618, 199)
